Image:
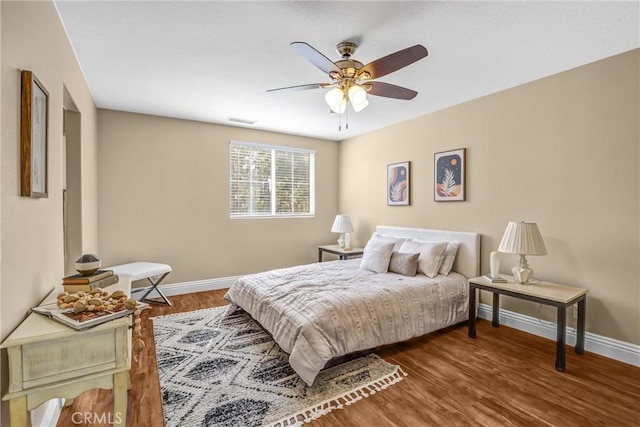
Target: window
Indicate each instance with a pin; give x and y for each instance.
(268, 180)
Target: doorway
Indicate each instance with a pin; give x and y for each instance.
(72, 184)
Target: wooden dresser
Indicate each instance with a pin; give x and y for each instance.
(48, 360)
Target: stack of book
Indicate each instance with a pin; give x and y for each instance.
(80, 283)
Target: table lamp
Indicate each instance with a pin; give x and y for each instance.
(522, 238)
(342, 225)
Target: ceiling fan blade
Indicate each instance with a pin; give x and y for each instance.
(389, 91)
(301, 87)
(393, 62)
(316, 58)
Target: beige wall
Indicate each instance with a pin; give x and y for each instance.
(164, 197)
(31, 230)
(3, 360)
(561, 151)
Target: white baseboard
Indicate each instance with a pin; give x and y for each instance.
(604, 346)
(190, 287)
(47, 414)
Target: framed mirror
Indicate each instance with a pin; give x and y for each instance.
(34, 120)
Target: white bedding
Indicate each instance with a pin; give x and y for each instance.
(320, 311)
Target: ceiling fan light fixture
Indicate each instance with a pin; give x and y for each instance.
(357, 94)
(359, 107)
(335, 98)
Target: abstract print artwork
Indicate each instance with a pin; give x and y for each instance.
(449, 169)
(398, 184)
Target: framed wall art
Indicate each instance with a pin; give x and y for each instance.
(398, 185)
(449, 181)
(34, 119)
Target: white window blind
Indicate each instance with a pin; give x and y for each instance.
(268, 180)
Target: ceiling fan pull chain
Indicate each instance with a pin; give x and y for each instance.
(346, 126)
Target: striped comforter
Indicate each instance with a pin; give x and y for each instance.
(320, 311)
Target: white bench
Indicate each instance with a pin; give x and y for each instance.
(151, 271)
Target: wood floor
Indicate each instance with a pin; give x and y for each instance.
(504, 377)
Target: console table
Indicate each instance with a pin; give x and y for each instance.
(548, 293)
(48, 360)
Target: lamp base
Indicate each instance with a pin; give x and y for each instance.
(522, 275)
(522, 272)
(341, 241)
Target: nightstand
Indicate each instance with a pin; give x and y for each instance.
(548, 293)
(341, 252)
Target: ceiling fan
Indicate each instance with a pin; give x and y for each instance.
(351, 80)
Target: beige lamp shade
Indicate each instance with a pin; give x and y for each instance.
(522, 238)
(342, 224)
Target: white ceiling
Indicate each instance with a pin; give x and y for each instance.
(209, 61)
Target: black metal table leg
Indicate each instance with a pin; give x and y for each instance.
(496, 310)
(582, 308)
(472, 311)
(561, 334)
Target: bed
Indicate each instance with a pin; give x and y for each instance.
(322, 311)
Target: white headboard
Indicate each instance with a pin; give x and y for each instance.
(468, 258)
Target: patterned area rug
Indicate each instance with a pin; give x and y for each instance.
(218, 367)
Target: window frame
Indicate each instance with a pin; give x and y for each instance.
(273, 148)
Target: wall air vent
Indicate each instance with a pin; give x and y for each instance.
(240, 121)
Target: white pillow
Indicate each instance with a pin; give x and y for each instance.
(431, 255)
(399, 241)
(376, 255)
(449, 258)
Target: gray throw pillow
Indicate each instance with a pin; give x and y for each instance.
(405, 264)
